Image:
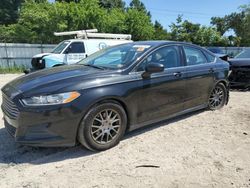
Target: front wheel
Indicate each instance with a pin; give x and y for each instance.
(103, 126)
(218, 97)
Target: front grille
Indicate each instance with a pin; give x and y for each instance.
(36, 64)
(9, 108)
(10, 129)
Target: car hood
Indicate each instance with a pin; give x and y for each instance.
(41, 55)
(55, 79)
(239, 62)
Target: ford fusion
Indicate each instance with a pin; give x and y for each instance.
(116, 90)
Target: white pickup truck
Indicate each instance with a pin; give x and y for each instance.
(73, 50)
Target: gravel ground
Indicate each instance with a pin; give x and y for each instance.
(202, 149)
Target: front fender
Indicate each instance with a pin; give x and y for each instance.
(53, 60)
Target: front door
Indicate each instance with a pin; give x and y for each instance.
(74, 53)
(161, 95)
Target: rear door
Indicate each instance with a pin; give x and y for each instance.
(200, 76)
(74, 53)
(162, 94)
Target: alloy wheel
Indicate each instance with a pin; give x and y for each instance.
(217, 97)
(105, 126)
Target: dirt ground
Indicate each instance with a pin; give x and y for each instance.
(202, 149)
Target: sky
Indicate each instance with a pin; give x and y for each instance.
(196, 11)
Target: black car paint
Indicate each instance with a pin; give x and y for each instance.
(146, 100)
(240, 73)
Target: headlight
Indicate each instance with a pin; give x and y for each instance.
(60, 98)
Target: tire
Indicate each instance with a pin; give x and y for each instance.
(218, 97)
(103, 126)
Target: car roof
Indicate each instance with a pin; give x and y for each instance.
(150, 42)
(161, 42)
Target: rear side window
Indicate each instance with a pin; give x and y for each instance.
(194, 56)
(76, 47)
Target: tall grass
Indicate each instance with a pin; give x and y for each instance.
(13, 69)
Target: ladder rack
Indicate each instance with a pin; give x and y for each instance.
(92, 33)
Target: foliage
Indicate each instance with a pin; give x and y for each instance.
(139, 25)
(34, 21)
(159, 32)
(14, 69)
(238, 22)
(9, 11)
(190, 32)
(111, 4)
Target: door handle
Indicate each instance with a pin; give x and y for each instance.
(177, 74)
(211, 70)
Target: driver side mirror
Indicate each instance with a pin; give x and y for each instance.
(67, 50)
(152, 68)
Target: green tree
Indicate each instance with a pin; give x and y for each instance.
(190, 32)
(159, 32)
(9, 11)
(137, 4)
(111, 4)
(139, 25)
(239, 22)
(220, 24)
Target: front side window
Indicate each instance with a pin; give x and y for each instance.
(60, 47)
(168, 56)
(75, 48)
(194, 56)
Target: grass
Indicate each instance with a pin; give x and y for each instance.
(14, 69)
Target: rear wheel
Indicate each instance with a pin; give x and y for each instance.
(103, 126)
(218, 97)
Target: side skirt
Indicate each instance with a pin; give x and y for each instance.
(137, 126)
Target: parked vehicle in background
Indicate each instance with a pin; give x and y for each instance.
(115, 90)
(218, 52)
(240, 70)
(215, 50)
(71, 51)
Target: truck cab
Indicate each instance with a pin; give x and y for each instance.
(71, 51)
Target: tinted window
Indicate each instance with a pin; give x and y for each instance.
(194, 56)
(60, 47)
(168, 56)
(244, 54)
(76, 47)
(210, 57)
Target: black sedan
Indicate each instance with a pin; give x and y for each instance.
(115, 90)
(240, 70)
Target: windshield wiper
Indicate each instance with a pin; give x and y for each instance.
(94, 66)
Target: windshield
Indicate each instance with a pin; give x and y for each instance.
(60, 47)
(116, 57)
(244, 54)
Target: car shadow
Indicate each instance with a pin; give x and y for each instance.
(240, 90)
(157, 125)
(12, 153)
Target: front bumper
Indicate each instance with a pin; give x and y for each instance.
(44, 127)
(240, 77)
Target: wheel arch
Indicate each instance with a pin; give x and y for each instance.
(113, 99)
(226, 84)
